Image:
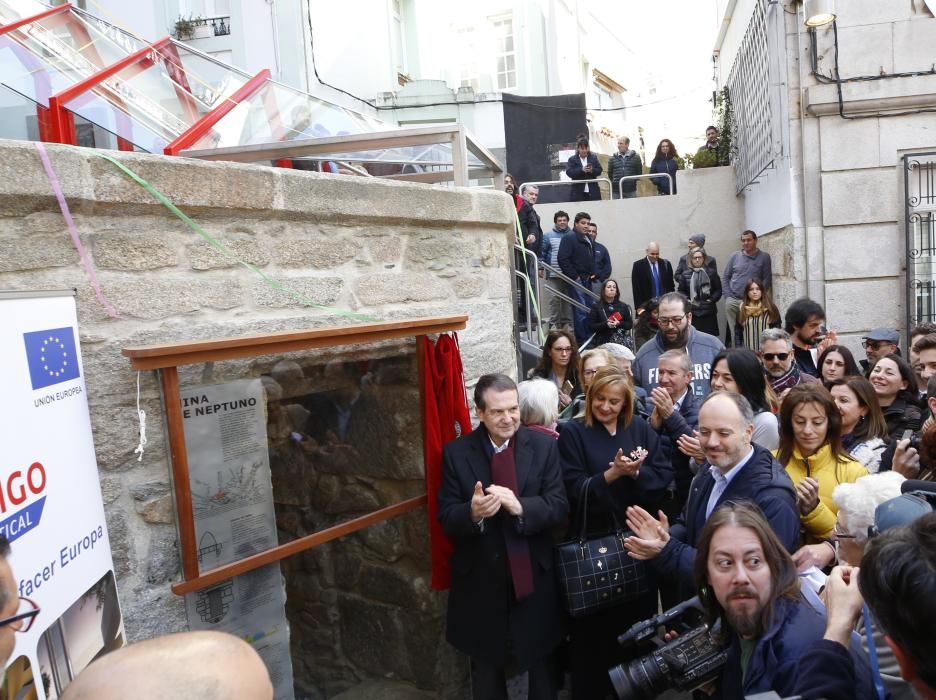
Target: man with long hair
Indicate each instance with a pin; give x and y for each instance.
(747, 582)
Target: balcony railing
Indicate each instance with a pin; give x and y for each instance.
(220, 25)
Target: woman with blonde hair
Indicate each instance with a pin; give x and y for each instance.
(610, 460)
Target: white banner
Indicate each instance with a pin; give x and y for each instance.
(232, 499)
(50, 498)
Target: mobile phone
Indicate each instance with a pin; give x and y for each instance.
(616, 316)
(567, 387)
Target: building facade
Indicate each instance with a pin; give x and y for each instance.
(832, 122)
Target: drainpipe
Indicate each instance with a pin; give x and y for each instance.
(814, 289)
(725, 23)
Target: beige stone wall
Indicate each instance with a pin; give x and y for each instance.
(705, 203)
(385, 249)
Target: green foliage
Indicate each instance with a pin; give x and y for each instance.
(185, 26)
(724, 120)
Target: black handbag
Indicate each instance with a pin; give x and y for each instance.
(597, 573)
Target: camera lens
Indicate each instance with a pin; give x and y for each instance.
(640, 679)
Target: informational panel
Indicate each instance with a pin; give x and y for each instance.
(232, 499)
(51, 509)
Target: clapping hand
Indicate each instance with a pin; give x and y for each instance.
(662, 402)
(622, 466)
(508, 499)
(650, 535)
(483, 505)
(691, 446)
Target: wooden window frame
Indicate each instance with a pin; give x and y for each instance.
(167, 358)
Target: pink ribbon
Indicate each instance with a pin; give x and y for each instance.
(73, 231)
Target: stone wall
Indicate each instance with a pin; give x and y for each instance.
(384, 249)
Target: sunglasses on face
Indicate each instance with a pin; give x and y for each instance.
(771, 356)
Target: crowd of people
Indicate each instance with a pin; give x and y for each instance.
(748, 475)
(583, 168)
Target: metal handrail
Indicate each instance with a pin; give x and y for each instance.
(547, 183)
(533, 339)
(644, 176)
(575, 283)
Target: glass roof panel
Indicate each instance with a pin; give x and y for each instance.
(149, 94)
(63, 46)
(276, 113)
(209, 80)
(128, 121)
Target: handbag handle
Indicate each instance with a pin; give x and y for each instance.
(584, 529)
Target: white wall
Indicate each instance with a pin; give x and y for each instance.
(706, 203)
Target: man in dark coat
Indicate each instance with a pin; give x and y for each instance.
(530, 227)
(675, 413)
(736, 470)
(501, 494)
(577, 261)
(651, 276)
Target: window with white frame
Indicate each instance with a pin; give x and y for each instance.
(468, 51)
(399, 37)
(606, 93)
(506, 57)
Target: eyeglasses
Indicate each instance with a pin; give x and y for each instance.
(23, 620)
(562, 351)
(672, 321)
(869, 345)
(771, 356)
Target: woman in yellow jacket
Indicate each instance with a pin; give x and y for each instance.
(811, 452)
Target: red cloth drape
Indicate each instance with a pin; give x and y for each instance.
(444, 418)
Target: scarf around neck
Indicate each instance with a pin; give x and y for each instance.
(699, 282)
(789, 379)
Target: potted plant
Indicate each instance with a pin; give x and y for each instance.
(203, 29)
(184, 28)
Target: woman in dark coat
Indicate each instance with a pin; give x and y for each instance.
(610, 318)
(665, 162)
(584, 165)
(615, 457)
(893, 382)
(703, 289)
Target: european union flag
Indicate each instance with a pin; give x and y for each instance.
(52, 357)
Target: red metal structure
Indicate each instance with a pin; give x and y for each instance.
(203, 125)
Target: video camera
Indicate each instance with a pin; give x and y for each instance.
(692, 659)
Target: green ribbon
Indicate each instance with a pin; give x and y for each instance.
(227, 252)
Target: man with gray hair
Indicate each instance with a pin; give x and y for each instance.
(780, 368)
(530, 226)
(501, 496)
(738, 470)
(675, 414)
